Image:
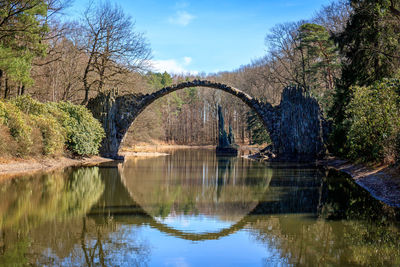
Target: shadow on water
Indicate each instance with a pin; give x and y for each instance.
(104, 215)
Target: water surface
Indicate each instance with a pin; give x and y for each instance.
(193, 209)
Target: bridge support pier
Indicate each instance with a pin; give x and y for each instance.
(296, 127)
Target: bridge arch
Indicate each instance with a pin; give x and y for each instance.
(295, 126)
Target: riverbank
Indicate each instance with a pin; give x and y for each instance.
(382, 182)
(10, 168)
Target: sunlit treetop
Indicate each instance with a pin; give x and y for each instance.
(22, 27)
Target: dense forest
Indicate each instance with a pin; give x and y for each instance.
(347, 56)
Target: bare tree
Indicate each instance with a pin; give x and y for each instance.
(285, 56)
(112, 45)
(334, 16)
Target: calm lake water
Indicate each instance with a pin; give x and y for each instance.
(193, 209)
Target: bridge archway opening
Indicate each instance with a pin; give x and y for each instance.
(189, 117)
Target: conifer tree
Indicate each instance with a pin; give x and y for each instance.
(22, 26)
(370, 45)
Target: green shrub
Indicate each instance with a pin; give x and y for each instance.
(84, 132)
(53, 126)
(52, 132)
(29, 105)
(2, 112)
(19, 126)
(374, 121)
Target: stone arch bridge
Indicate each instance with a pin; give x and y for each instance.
(296, 125)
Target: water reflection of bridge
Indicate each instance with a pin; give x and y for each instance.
(276, 198)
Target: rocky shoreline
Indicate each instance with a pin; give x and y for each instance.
(383, 182)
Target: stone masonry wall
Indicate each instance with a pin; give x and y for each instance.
(295, 126)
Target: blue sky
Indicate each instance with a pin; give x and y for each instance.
(208, 36)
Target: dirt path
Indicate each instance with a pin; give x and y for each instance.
(12, 168)
(383, 182)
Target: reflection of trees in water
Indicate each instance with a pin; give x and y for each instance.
(106, 241)
(66, 236)
(352, 229)
(314, 243)
(226, 187)
(292, 190)
(82, 241)
(102, 244)
(14, 254)
(342, 198)
(28, 204)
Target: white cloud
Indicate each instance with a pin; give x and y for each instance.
(181, 5)
(187, 60)
(179, 261)
(173, 66)
(181, 18)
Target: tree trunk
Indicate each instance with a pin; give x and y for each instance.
(6, 93)
(87, 70)
(1, 79)
(303, 66)
(86, 86)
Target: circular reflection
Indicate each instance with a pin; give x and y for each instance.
(203, 195)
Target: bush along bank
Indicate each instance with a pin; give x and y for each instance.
(372, 123)
(31, 128)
